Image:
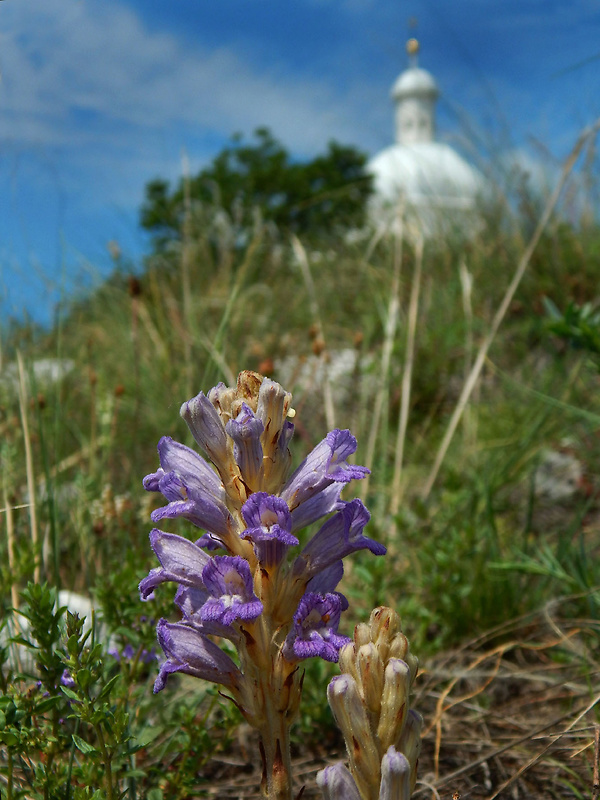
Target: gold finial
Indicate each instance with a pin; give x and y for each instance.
(412, 47)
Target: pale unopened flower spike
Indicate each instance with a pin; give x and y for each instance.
(243, 578)
(370, 701)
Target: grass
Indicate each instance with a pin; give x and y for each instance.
(457, 391)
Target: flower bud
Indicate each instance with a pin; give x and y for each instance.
(410, 743)
(362, 634)
(398, 646)
(370, 670)
(385, 623)
(351, 716)
(395, 776)
(394, 702)
(347, 660)
(337, 783)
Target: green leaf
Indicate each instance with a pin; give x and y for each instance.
(9, 738)
(73, 645)
(84, 678)
(47, 703)
(70, 693)
(135, 773)
(83, 746)
(108, 687)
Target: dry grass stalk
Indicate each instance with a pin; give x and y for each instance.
(386, 351)
(33, 526)
(466, 286)
(596, 778)
(10, 540)
(473, 377)
(413, 311)
(302, 259)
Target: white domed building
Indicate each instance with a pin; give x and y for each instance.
(426, 177)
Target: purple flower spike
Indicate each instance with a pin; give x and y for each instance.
(189, 651)
(229, 580)
(245, 430)
(269, 523)
(336, 783)
(337, 538)
(181, 561)
(326, 464)
(315, 629)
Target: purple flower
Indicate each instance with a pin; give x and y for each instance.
(337, 538)
(244, 507)
(190, 601)
(206, 427)
(336, 783)
(326, 581)
(317, 505)
(181, 561)
(209, 541)
(269, 523)
(229, 580)
(245, 430)
(67, 679)
(190, 652)
(314, 632)
(325, 465)
(191, 486)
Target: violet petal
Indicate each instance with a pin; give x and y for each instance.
(314, 631)
(336, 783)
(206, 427)
(337, 538)
(326, 464)
(229, 582)
(181, 561)
(245, 430)
(190, 652)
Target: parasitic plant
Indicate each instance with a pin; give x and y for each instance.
(370, 703)
(237, 581)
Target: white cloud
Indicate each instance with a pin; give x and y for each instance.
(76, 73)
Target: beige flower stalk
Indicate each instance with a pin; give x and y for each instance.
(370, 701)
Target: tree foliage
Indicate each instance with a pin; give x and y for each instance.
(311, 198)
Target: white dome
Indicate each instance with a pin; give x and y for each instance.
(415, 82)
(425, 173)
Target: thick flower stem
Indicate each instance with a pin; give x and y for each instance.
(276, 781)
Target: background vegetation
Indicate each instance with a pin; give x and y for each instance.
(259, 263)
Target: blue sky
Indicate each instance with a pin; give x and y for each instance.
(97, 97)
